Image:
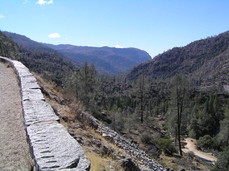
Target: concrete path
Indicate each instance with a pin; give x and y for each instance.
(14, 149)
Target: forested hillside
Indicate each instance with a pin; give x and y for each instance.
(25, 42)
(38, 58)
(106, 59)
(205, 61)
(160, 108)
(162, 101)
(8, 48)
(157, 115)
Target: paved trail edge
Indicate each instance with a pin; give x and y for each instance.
(51, 145)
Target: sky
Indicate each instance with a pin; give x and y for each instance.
(151, 25)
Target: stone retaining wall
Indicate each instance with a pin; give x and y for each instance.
(51, 145)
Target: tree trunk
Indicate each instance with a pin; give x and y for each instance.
(141, 109)
(227, 141)
(180, 92)
(179, 111)
(176, 136)
(179, 138)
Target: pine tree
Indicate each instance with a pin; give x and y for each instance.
(179, 95)
(140, 96)
(225, 127)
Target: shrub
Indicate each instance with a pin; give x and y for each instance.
(191, 154)
(206, 142)
(222, 164)
(166, 146)
(146, 138)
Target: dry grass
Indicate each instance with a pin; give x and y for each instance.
(183, 162)
(98, 163)
(168, 162)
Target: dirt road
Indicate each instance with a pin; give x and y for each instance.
(191, 146)
(14, 149)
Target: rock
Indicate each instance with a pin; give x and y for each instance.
(106, 150)
(154, 150)
(29, 82)
(129, 147)
(21, 70)
(94, 123)
(97, 142)
(226, 88)
(65, 119)
(54, 148)
(181, 169)
(38, 111)
(32, 94)
(129, 165)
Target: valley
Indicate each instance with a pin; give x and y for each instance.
(148, 111)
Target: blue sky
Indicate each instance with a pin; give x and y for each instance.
(152, 25)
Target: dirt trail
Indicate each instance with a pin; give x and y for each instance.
(191, 146)
(14, 149)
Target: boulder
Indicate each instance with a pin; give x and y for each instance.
(129, 165)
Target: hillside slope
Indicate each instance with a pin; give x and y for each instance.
(27, 43)
(106, 59)
(41, 59)
(205, 61)
(8, 48)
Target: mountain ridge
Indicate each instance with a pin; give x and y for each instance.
(111, 59)
(108, 60)
(199, 60)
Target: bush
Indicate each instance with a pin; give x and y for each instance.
(166, 146)
(146, 138)
(191, 154)
(222, 164)
(206, 142)
(171, 149)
